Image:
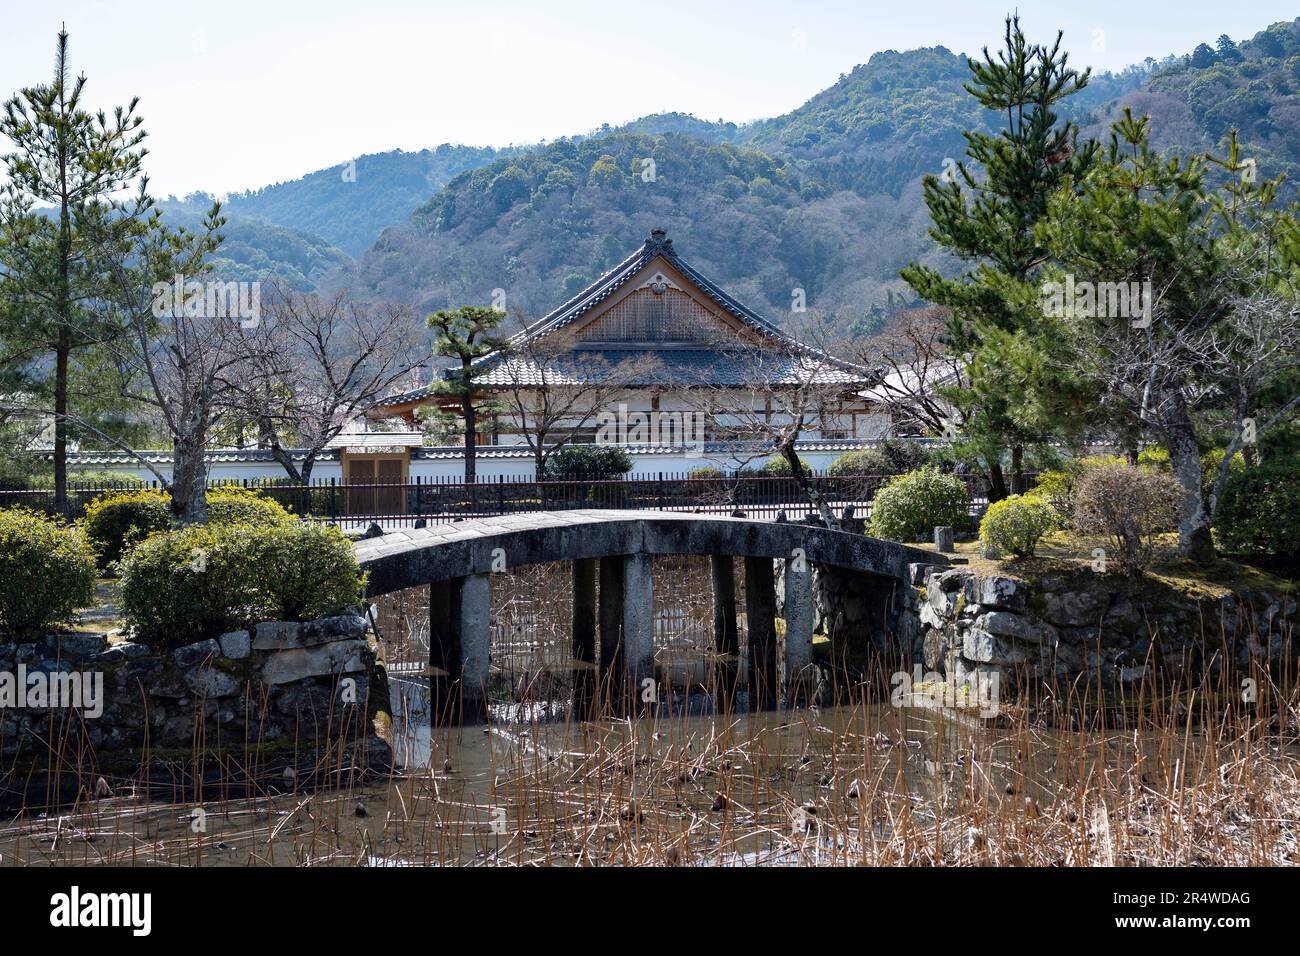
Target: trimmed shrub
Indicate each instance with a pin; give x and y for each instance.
(1259, 511)
(1210, 463)
(232, 504)
(182, 586)
(909, 507)
(588, 463)
(305, 571)
(1058, 486)
(1057, 489)
(1154, 456)
(905, 456)
(705, 471)
(1130, 506)
(868, 461)
(118, 520)
(1017, 523)
(115, 521)
(780, 468)
(47, 571)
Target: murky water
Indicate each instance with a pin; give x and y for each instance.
(751, 788)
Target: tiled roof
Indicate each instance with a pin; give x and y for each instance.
(696, 366)
(683, 368)
(99, 459)
(437, 452)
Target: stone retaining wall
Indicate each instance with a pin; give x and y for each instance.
(280, 692)
(1064, 625)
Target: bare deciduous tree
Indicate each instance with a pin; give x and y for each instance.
(916, 365)
(314, 364)
(783, 389)
(553, 390)
(179, 358)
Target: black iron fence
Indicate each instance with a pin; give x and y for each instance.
(432, 500)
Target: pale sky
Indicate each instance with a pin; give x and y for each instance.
(240, 94)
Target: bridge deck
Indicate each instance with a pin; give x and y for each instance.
(410, 557)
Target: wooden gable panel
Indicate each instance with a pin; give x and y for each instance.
(660, 305)
(668, 315)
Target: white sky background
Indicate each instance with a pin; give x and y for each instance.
(239, 94)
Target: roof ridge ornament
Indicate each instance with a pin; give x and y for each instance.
(658, 241)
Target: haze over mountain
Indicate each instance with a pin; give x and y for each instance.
(825, 198)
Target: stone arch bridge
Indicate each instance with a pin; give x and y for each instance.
(457, 560)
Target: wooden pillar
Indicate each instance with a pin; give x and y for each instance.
(726, 641)
(760, 616)
(584, 637)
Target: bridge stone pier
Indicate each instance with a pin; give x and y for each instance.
(613, 594)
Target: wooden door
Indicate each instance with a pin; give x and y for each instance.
(361, 472)
(390, 500)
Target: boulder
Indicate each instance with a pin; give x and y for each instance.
(79, 644)
(276, 635)
(235, 645)
(287, 635)
(1075, 608)
(196, 653)
(953, 579)
(1005, 624)
(341, 657)
(209, 682)
(930, 617)
(982, 647)
(995, 591)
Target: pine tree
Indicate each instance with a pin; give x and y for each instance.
(985, 213)
(466, 335)
(76, 163)
(1220, 337)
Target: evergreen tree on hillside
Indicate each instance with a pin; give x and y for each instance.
(985, 214)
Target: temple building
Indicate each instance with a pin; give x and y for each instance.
(652, 356)
(656, 357)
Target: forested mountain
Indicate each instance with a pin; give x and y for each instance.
(542, 225)
(895, 118)
(825, 198)
(349, 205)
(256, 249)
(1252, 87)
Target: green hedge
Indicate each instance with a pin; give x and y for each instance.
(780, 468)
(181, 586)
(1259, 511)
(47, 572)
(587, 463)
(868, 461)
(115, 521)
(909, 507)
